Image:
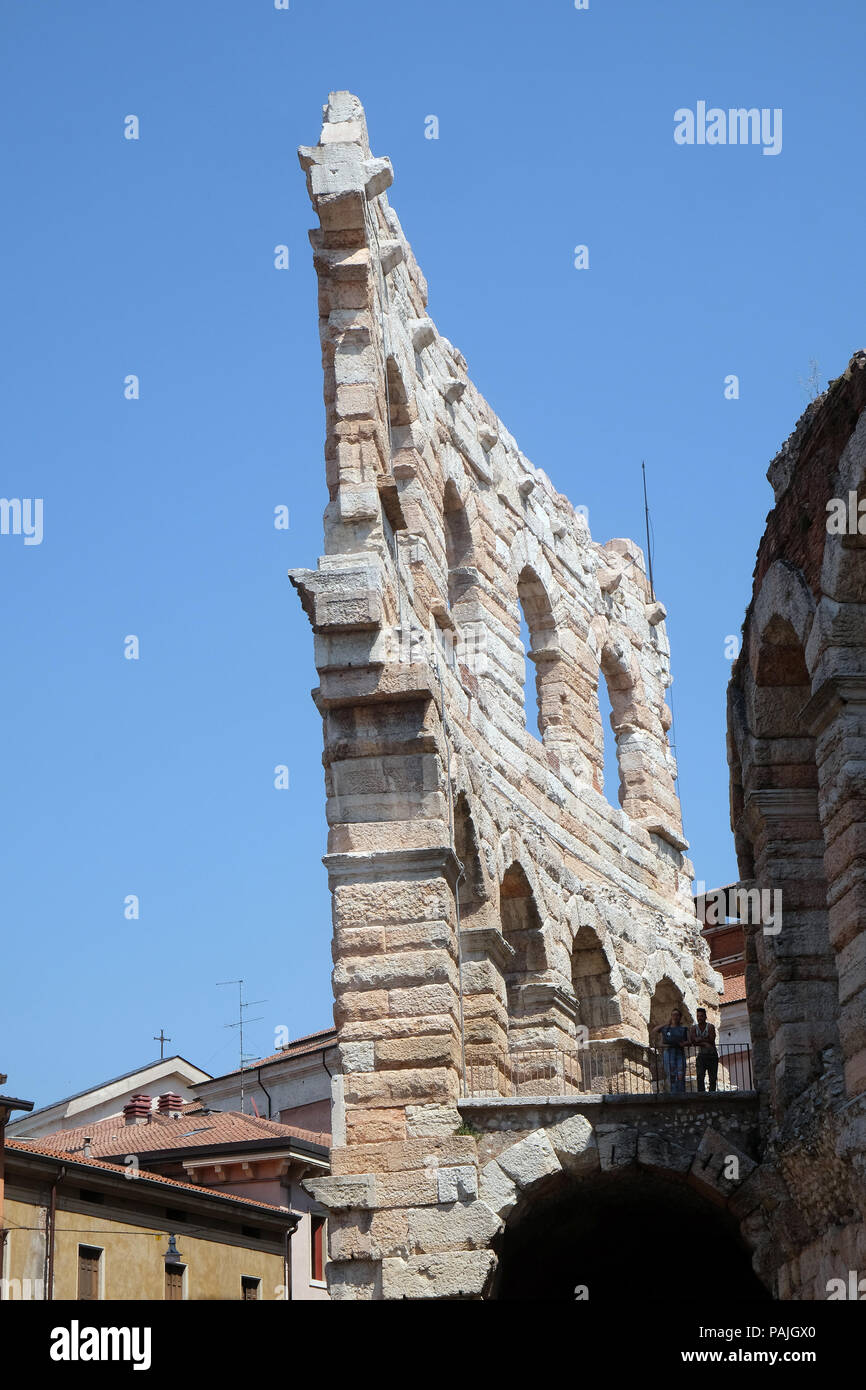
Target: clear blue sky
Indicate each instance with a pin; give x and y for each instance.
(155, 257)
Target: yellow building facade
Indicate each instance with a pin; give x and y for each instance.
(82, 1229)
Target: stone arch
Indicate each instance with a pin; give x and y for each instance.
(526, 552)
(473, 893)
(665, 997)
(835, 652)
(843, 570)
(619, 673)
(571, 1157)
(783, 598)
(736, 739)
(792, 996)
(513, 849)
(534, 602)
(664, 987)
(561, 683)
(541, 1014)
(770, 687)
(644, 757)
(522, 924)
(573, 1145)
(595, 975)
(460, 549)
(402, 409)
(642, 750)
(599, 1008)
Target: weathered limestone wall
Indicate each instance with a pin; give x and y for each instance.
(797, 749)
(442, 804)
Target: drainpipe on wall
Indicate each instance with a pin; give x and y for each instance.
(287, 1263)
(264, 1088)
(52, 1226)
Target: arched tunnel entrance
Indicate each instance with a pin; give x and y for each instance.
(624, 1236)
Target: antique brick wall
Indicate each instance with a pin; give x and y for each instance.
(487, 899)
(797, 750)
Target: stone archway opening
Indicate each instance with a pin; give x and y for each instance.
(471, 892)
(598, 1008)
(521, 925)
(607, 776)
(666, 997)
(538, 638)
(459, 546)
(625, 1238)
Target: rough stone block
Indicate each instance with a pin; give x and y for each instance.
(530, 1160)
(458, 1184)
(453, 1275)
(457, 1228)
(345, 1192)
(617, 1146)
(573, 1142)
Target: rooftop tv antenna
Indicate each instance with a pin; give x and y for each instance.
(239, 1024)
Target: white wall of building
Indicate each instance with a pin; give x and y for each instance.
(103, 1101)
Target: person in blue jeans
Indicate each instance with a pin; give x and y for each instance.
(702, 1035)
(674, 1036)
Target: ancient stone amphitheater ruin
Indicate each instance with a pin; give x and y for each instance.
(504, 938)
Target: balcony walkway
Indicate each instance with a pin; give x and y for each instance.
(612, 1067)
(611, 1109)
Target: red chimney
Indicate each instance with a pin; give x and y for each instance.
(137, 1111)
(170, 1104)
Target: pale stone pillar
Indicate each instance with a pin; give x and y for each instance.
(396, 987)
(486, 957)
(543, 1015)
(396, 993)
(836, 715)
(797, 970)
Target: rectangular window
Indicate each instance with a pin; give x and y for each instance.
(89, 1257)
(250, 1287)
(317, 1249)
(174, 1282)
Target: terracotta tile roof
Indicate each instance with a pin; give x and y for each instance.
(735, 989)
(195, 1128)
(313, 1042)
(39, 1146)
(312, 1136)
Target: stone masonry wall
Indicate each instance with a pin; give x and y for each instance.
(797, 750)
(487, 899)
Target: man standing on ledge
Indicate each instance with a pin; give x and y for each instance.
(702, 1035)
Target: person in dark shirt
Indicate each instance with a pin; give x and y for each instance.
(702, 1035)
(674, 1036)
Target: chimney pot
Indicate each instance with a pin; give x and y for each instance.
(170, 1104)
(137, 1110)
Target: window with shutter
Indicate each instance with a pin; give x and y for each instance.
(317, 1249)
(88, 1272)
(174, 1281)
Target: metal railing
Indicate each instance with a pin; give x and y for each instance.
(617, 1068)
